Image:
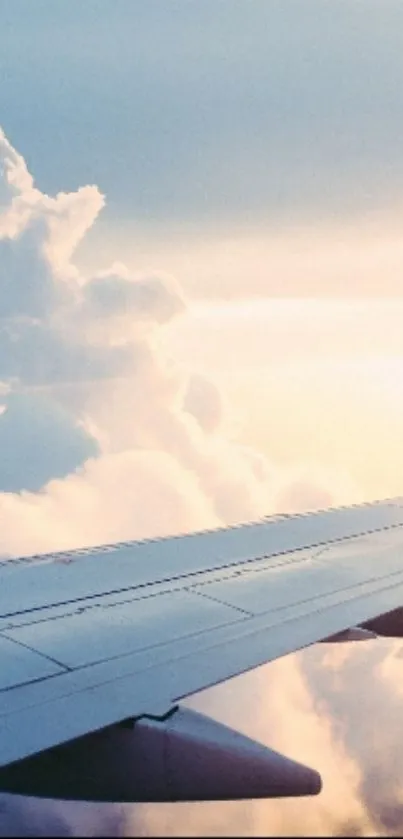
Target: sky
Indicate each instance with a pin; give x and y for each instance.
(200, 301)
(269, 130)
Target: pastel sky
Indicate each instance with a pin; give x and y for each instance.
(200, 301)
(237, 142)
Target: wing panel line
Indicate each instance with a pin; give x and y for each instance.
(200, 572)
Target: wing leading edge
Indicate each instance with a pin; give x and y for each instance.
(90, 638)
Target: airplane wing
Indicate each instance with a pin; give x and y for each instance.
(94, 637)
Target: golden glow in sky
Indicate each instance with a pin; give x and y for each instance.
(315, 384)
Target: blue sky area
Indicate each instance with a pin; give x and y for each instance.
(209, 113)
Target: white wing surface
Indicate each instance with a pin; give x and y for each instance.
(93, 637)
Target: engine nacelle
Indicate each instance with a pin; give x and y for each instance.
(354, 633)
(183, 757)
(390, 624)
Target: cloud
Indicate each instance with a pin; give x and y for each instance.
(276, 705)
(118, 496)
(114, 293)
(20, 818)
(28, 817)
(93, 343)
(358, 687)
(18, 195)
(308, 486)
(203, 400)
(39, 441)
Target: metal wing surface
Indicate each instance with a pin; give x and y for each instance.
(92, 637)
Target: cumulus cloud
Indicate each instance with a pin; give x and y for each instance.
(114, 293)
(308, 486)
(203, 400)
(93, 343)
(359, 687)
(39, 441)
(18, 195)
(276, 705)
(113, 497)
(103, 437)
(28, 817)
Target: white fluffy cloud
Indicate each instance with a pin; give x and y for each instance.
(90, 346)
(278, 706)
